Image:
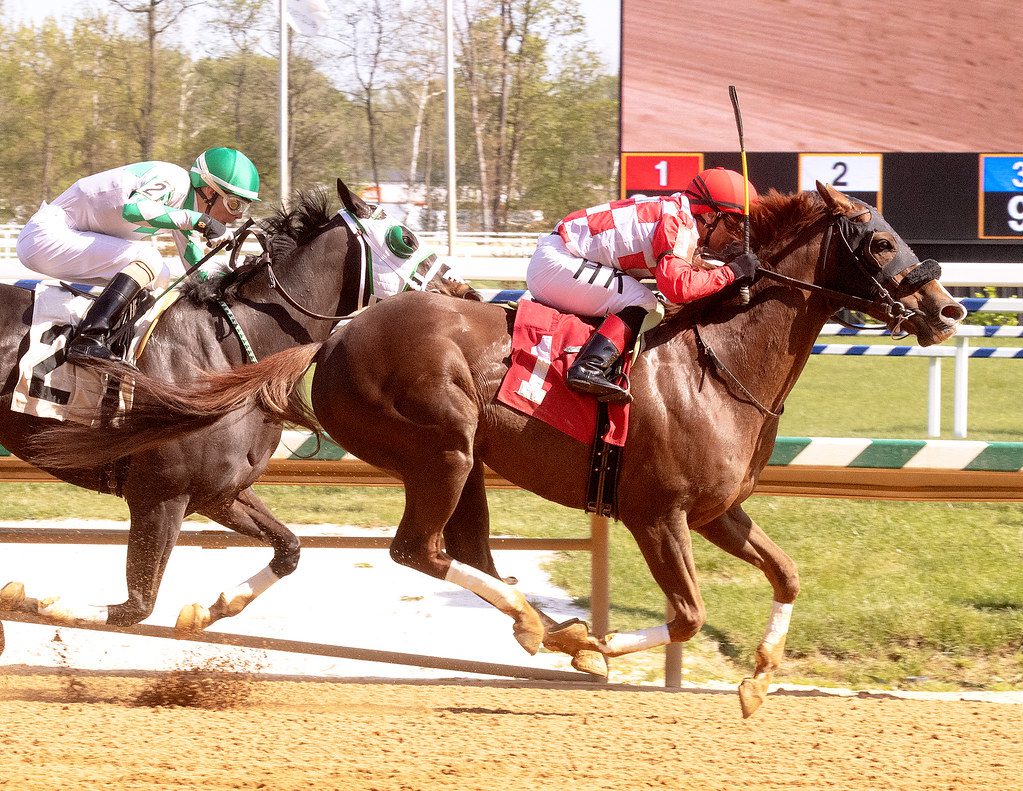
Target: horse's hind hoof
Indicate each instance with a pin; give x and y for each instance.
(12, 596)
(193, 618)
(569, 637)
(751, 696)
(592, 662)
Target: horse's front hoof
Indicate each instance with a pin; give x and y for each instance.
(752, 693)
(569, 637)
(12, 596)
(528, 631)
(592, 662)
(193, 618)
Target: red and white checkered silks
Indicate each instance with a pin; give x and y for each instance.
(642, 237)
(633, 234)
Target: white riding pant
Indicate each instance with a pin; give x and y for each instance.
(51, 245)
(571, 284)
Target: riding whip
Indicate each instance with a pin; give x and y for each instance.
(744, 290)
(226, 244)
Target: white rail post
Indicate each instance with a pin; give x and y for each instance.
(961, 387)
(672, 654)
(934, 397)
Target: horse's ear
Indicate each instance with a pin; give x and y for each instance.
(838, 203)
(353, 202)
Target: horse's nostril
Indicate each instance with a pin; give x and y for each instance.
(954, 312)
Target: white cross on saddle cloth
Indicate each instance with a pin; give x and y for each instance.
(50, 387)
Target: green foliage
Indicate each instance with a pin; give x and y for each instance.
(79, 98)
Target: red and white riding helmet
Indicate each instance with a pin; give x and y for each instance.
(718, 189)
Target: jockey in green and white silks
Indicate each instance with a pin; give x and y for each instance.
(99, 231)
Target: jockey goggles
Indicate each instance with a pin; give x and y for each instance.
(237, 206)
(234, 204)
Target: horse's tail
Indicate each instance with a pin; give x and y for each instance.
(163, 411)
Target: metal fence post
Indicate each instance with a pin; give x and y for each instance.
(934, 397)
(672, 654)
(961, 387)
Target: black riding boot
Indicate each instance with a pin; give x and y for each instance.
(588, 374)
(90, 342)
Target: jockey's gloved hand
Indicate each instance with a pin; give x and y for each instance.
(730, 251)
(213, 231)
(744, 267)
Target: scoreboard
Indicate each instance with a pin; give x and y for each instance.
(958, 200)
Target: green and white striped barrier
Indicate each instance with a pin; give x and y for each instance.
(898, 454)
(891, 454)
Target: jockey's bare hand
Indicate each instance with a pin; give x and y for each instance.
(213, 231)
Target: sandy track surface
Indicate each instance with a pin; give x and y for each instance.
(92, 730)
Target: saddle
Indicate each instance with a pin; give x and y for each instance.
(50, 387)
(544, 343)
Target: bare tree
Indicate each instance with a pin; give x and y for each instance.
(369, 41)
(153, 17)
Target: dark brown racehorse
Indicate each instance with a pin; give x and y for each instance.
(317, 268)
(410, 387)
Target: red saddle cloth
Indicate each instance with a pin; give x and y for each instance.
(535, 383)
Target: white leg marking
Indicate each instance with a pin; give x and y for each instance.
(502, 595)
(778, 626)
(237, 599)
(61, 610)
(621, 643)
(254, 586)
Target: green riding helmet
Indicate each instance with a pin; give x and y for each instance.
(228, 172)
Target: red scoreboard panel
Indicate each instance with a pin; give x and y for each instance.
(658, 174)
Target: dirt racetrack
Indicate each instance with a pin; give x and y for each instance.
(124, 732)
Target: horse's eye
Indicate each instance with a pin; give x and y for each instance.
(884, 246)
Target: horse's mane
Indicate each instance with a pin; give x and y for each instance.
(305, 220)
(287, 228)
(775, 221)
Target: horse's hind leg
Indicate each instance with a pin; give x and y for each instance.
(153, 535)
(431, 497)
(739, 535)
(467, 532)
(248, 515)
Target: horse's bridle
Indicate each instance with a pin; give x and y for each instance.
(854, 245)
(853, 239)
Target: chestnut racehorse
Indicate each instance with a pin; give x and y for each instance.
(410, 388)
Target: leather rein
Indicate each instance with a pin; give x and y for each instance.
(264, 259)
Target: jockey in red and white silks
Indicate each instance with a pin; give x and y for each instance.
(592, 263)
